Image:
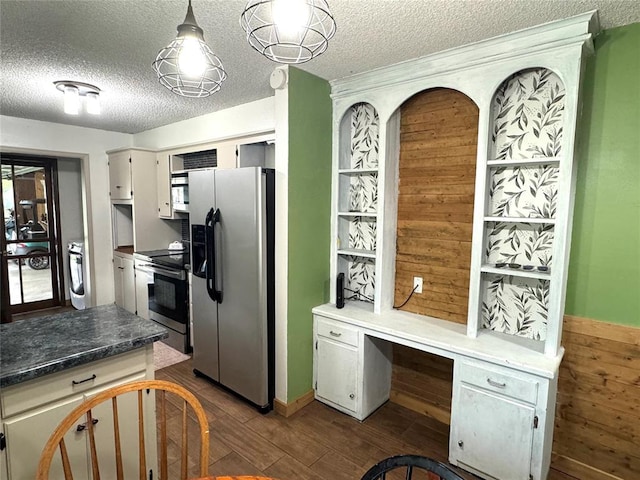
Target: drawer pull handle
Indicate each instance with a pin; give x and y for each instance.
(335, 334)
(92, 377)
(352, 396)
(460, 443)
(493, 383)
(83, 426)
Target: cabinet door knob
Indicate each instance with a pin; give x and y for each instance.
(460, 443)
(352, 396)
(83, 426)
(335, 334)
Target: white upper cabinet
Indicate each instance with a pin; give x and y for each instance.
(134, 212)
(120, 187)
(526, 87)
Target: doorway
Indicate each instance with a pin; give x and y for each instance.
(31, 251)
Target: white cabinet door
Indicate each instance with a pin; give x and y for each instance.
(120, 176)
(28, 433)
(124, 283)
(128, 285)
(128, 426)
(336, 373)
(164, 186)
(142, 294)
(118, 280)
(492, 434)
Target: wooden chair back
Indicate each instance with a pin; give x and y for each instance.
(57, 441)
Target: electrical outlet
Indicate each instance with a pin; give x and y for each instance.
(417, 282)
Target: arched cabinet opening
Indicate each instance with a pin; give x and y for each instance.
(358, 200)
(436, 186)
(523, 175)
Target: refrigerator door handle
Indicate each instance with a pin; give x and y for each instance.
(213, 217)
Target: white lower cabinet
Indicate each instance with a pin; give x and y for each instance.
(336, 377)
(33, 409)
(28, 433)
(352, 372)
(142, 290)
(496, 429)
(501, 417)
(124, 281)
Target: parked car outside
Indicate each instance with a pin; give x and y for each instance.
(39, 262)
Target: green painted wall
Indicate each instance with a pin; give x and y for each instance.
(309, 220)
(604, 270)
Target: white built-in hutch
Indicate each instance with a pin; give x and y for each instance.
(526, 87)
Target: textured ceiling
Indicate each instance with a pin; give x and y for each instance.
(111, 44)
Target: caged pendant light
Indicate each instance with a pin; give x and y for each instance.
(288, 31)
(187, 66)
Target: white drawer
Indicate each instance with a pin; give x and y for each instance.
(499, 380)
(49, 388)
(337, 331)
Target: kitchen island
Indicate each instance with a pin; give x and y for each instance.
(50, 364)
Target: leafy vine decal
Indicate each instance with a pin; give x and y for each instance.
(528, 114)
(364, 136)
(518, 306)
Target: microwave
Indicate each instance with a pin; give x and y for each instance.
(180, 192)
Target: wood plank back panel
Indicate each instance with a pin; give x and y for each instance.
(438, 138)
(422, 382)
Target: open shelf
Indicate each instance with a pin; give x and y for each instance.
(516, 272)
(356, 252)
(524, 161)
(358, 214)
(550, 221)
(357, 171)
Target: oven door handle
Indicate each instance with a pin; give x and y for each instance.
(149, 268)
(213, 217)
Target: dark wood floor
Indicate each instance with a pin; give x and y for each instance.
(315, 443)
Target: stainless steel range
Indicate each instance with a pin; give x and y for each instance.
(168, 289)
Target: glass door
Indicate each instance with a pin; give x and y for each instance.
(31, 262)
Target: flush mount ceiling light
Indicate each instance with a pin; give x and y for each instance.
(288, 31)
(73, 91)
(187, 66)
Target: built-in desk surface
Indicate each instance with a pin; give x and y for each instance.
(445, 338)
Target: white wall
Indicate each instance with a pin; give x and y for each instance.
(247, 119)
(71, 212)
(20, 135)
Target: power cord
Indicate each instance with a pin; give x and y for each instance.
(358, 295)
(408, 298)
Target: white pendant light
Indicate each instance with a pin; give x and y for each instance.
(73, 93)
(187, 66)
(288, 31)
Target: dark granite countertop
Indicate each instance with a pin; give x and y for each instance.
(39, 346)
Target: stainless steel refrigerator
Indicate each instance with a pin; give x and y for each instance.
(231, 214)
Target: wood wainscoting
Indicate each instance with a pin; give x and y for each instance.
(597, 433)
(438, 145)
(597, 425)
